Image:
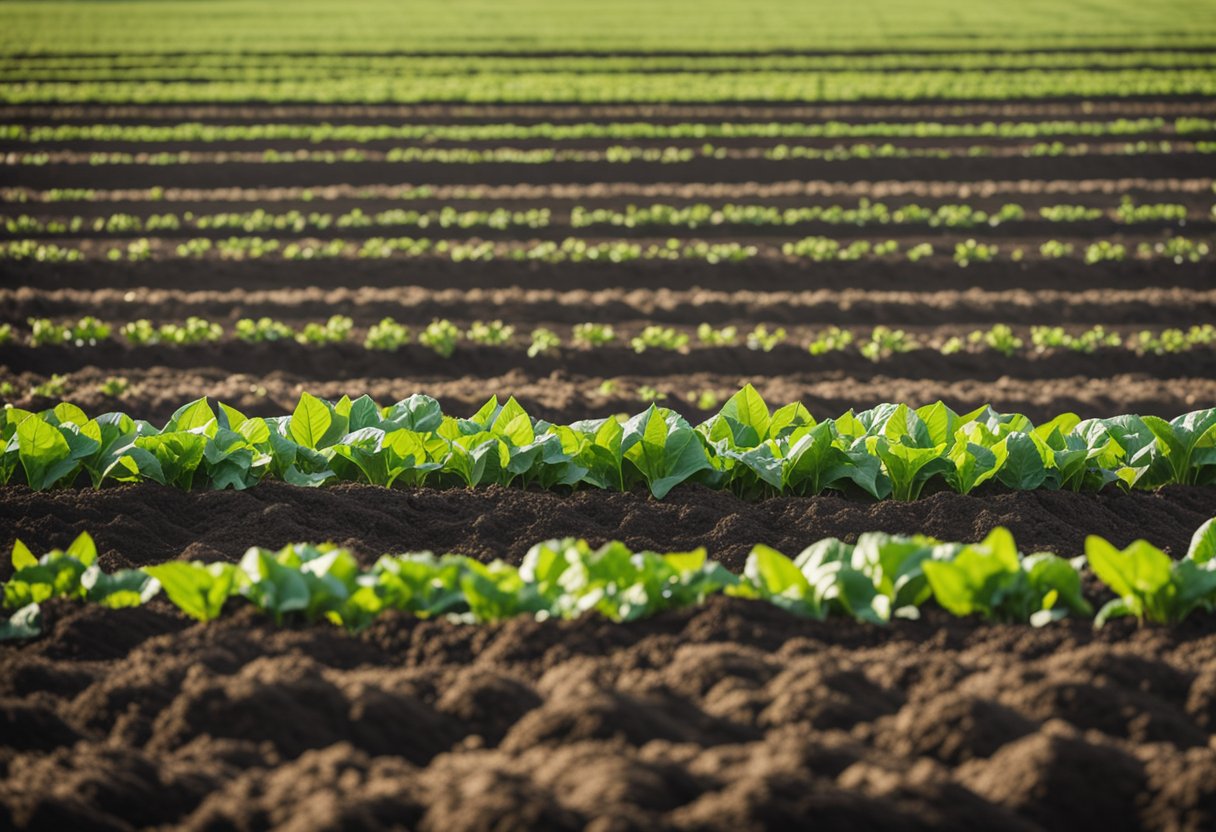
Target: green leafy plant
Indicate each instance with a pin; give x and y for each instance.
(262, 330)
(832, 339)
(726, 336)
(762, 339)
(388, 335)
(885, 342)
(593, 334)
(442, 336)
(494, 333)
(113, 386)
(992, 580)
(543, 341)
(1149, 584)
(661, 338)
(336, 330)
(199, 590)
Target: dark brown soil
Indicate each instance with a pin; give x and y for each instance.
(139, 525)
(352, 361)
(732, 716)
(558, 113)
(344, 197)
(561, 396)
(776, 274)
(699, 170)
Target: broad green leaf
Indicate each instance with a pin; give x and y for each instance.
(44, 453)
(1201, 550)
(198, 589)
(1024, 468)
(66, 412)
(195, 416)
(22, 556)
(83, 549)
(310, 421)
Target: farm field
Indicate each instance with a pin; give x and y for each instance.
(695, 255)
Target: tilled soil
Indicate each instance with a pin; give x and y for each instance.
(732, 716)
(138, 525)
(561, 396)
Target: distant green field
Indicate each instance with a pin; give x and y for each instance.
(50, 26)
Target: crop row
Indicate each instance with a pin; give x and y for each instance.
(810, 190)
(890, 451)
(253, 67)
(621, 131)
(615, 154)
(967, 84)
(1176, 250)
(865, 213)
(444, 337)
(879, 578)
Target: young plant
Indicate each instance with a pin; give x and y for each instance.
(387, 336)
(727, 336)
(885, 342)
(543, 340)
(659, 337)
(334, 331)
(194, 331)
(89, 331)
(442, 336)
(593, 334)
(832, 339)
(45, 332)
(493, 334)
(1000, 338)
(1104, 251)
(263, 330)
(113, 386)
(970, 251)
(761, 339)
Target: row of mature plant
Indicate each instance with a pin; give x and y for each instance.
(557, 194)
(696, 215)
(613, 154)
(948, 215)
(890, 451)
(1177, 250)
(631, 130)
(255, 66)
(879, 578)
(663, 87)
(260, 219)
(443, 336)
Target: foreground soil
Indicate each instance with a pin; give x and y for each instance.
(732, 716)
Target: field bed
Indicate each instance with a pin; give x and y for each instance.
(731, 714)
(251, 172)
(145, 524)
(1042, 167)
(562, 395)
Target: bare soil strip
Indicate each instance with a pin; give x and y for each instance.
(558, 113)
(1115, 164)
(144, 524)
(560, 395)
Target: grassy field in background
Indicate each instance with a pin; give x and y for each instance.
(48, 26)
